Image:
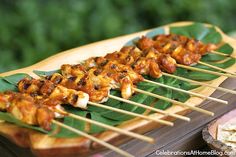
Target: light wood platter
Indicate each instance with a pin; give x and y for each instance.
(43, 145)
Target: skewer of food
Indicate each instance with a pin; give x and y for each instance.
(38, 111)
(121, 77)
(183, 50)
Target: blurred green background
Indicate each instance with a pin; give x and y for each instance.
(32, 30)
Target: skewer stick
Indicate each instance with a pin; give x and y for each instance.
(103, 143)
(118, 130)
(175, 102)
(217, 68)
(200, 83)
(129, 113)
(205, 71)
(150, 108)
(222, 54)
(188, 92)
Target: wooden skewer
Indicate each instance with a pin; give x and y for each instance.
(118, 130)
(103, 143)
(150, 108)
(217, 68)
(205, 71)
(175, 102)
(131, 113)
(199, 83)
(188, 92)
(222, 54)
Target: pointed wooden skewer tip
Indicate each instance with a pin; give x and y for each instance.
(94, 139)
(217, 68)
(200, 83)
(188, 92)
(222, 54)
(176, 102)
(205, 71)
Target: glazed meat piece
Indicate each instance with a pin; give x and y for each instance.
(47, 88)
(165, 61)
(23, 107)
(117, 69)
(185, 57)
(145, 43)
(70, 96)
(198, 47)
(190, 44)
(168, 44)
(28, 85)
(96, 86)
(4, 101)
(77, 70)
(147, 66)
(113, 73)
(44, 117)
(27, 109)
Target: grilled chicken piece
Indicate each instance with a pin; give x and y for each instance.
(44, 117)
(165, 61)
(96, 86)
(114, 74)
(26, 109)
(90, 63)
(184, 50)
(4, 101)
(147, 67)
(195, 46)
(96, 93)
(72, 82)
(91, 82)
(28, 85)
(128, 55)
(73, 70)
(133, 54)
(185, 57)
(120, 70)
(58, 93)
(145, 43)
(22, 107)
(167, 45)
(142, 64)
(126, 87)
(110, 76)
(70, 96)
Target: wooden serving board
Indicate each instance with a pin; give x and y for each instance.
(43, 145)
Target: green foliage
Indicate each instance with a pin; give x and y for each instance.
(33, 30)
(14, 79)
(5, 86)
